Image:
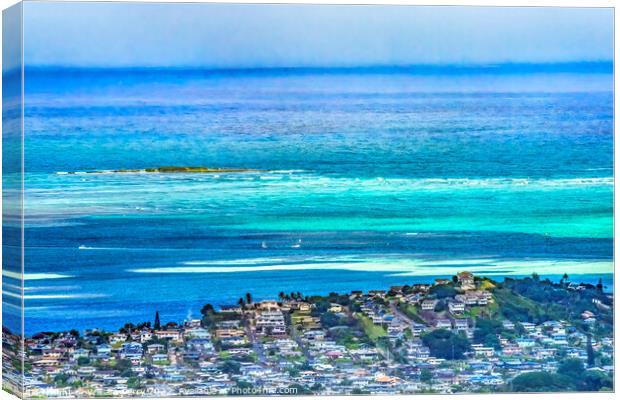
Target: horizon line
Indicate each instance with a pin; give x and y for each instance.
(586, 66)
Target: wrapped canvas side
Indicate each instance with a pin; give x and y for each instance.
(13, 365)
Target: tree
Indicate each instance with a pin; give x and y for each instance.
(445, 344)
(124, 366)
(134, 383)
(230, 367)
(594, 381)
(426, 376)
(599, 285)
(572, 368)
(207, 309)
(443, 291)
(157, 323)
(241, 303)
(208, 315)
(329, 320)
(248, 298)
(492, 340)
(83, 361)
(565, 276)
(61, 379)
(535, 276)
(487, 331)
(541, 382)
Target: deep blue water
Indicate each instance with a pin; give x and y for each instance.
(368, 178)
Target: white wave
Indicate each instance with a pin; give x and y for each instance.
(541, 267)
(409, 267)
(16, 275)
(12, 287)
(65, 296)
(458, 262)
(11, 294)
(368, 267)
(54, 296)
(271, 260)
(50, 288)
(248, 261)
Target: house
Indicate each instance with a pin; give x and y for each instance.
(118, 338)
(466, 280)
(104, 349)
(482, 351)
(155, 348)
(417, 328)
(192, 323)
(172, 334)
(203, 345)
(456, 307)
(271, 323)
(509, 325)
(525, 342)
(335, 308)
(461, 323)
(600, 305)
(230, 309)
(268, 305)
(443, 323)
(511, 350)
(144, 336)
(587, 314)
(313, 335)
(198, 333)
(429, 304)
(225, 333)
(131, 350)
(420, 287)
(396, 289)
(160, 358)
(80, 353)
(528, 326)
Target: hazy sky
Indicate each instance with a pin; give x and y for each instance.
(225, 35)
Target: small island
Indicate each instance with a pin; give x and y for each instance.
(164, 170)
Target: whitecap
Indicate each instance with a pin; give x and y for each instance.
(16, 275)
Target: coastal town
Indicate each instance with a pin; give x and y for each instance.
(464, 334)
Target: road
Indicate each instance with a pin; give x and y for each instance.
(257, 346)
(400, 314)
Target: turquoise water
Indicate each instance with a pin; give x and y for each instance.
(367, 179)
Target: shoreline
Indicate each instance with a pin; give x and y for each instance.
(385, 341)
(182, 311)
(591, 279)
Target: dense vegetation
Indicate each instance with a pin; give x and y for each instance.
(571, 376)
(446, 344)
(535, 300)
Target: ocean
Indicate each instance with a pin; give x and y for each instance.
(363, 178)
